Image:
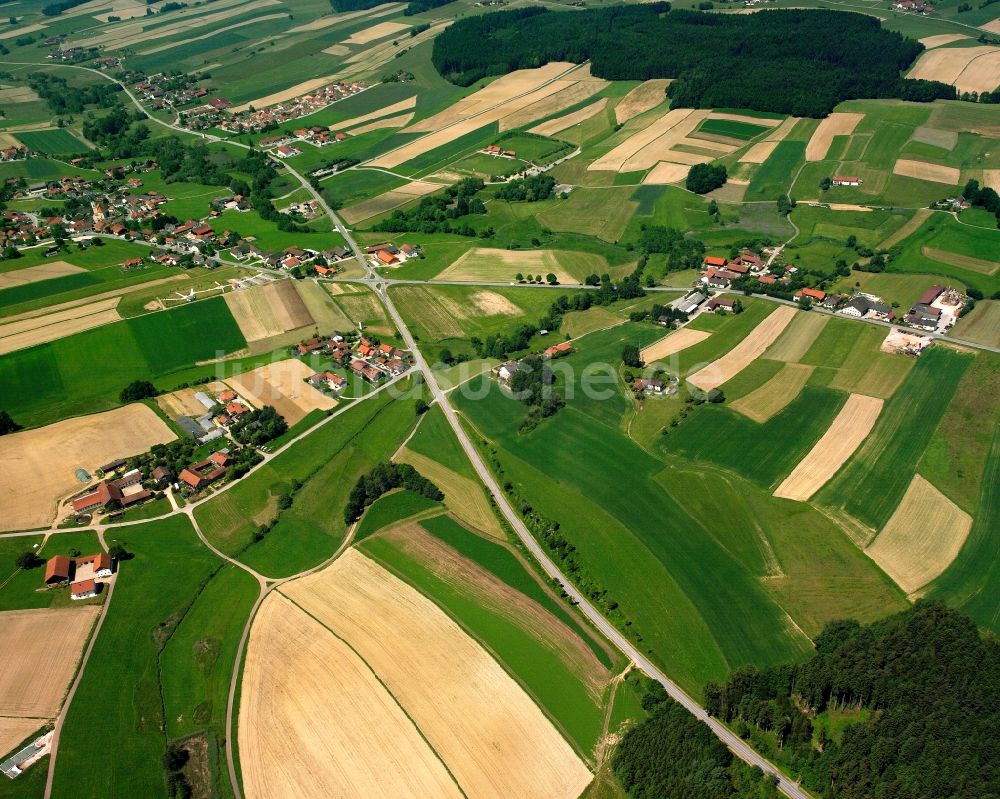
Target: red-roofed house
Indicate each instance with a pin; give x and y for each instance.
(711, 260)
(812, 294)
(846, 180)
(83, 589)
(556, 350)
(386, 257)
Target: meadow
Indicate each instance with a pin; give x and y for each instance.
(85, 373)
(54, 141)
(125, 669)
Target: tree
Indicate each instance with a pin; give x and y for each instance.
(519, 277)
(175, 758)
(7, 425)
(421, 407)
(825, 184)
(631, 356)
(137, 390)
(703, 178)
(119, 553)
(713, 208)
(28, 560)
(552, 279)
(446, 357)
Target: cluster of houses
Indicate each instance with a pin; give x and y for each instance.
(654, 387)
(505, 372)
(285, 144)
(372, 362)
(499, 152)
(915, 6)
(721, 273)
(268, 118)
(71, 55)
(161, 92)
(221, 411)
(388, 254)
(15, 153)
(113, 493)
(202, 474)
(323, 262)
(84, 575)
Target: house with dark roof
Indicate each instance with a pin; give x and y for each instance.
(865, 307)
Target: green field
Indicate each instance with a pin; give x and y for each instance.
(391, 508)
(124, 669)
(85, 373)
(773, 177)
(871, 485)
(55, 141)
(732, 128)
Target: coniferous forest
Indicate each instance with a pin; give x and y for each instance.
(800, 62)
(923, 686)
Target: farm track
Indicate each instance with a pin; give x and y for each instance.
(380, 286)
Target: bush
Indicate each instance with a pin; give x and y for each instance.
(7, 425)
(28, 560)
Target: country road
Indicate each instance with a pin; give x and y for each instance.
(740, 748)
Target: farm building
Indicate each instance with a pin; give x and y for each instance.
(811, 294)
(716, 303)
(846, 180)
(204, 473)
(648, 386)
(506, 372)
(690, 303)
(558, 350)
(91, 566)
(720, 278)
(84, 589)
(162, 476)
(57, 570)
(712, 260)
(864, 306)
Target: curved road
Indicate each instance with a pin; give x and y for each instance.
(739, 747)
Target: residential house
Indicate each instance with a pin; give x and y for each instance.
(162, 476)
(558, 350)
(716, 303)
(924, 316)
(506, 372)
(648, 386)
(719, 278)
(367, 372)
(310, 345)
(714, 261)
(84, 589)
(814, 295)
(131, 263)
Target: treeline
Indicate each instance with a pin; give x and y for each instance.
(529, 189)
(791, 61)
(673, 755)
(983, 197)
(930, 683)
(382, 479)
(55, 9)
(420, 6)
(61, 99)
(435, 214)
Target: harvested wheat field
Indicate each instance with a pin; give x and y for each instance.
(337, 49)
(282, 385)
(403, 105)
(772, 397)
(37, 467)
(448, 134)
(969, 69)
(991, 178)
(21, 30)
(993, 26)
(325, 313)
(338, 19)
(267, 310)
(487, 730)
(389, 200)
(914, 222)
(744, 353)
(15, 730)
(838, 443)
(839, 123)
(644, 148)
(797, 338)
(315, 722)
(553, 104)
(440, 314)
(671, 343)
(922, 538)
(490, 592)
(379, 31)
(17, 94)
(465, 498)
(490, 264)
(562, 123)
(666, 172)
(923, 171)
(183, 402)
(48, 644)
(930, 42)
(23, 333)
(386, 122)
(642, 98)
(46, 271)
(501, 90)
(750, 120)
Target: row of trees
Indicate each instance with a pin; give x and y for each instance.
(931, 684)
(382, 479)
(789, 61)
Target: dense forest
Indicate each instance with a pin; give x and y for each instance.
(924, 686)
(790, 62)
(672, 755)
